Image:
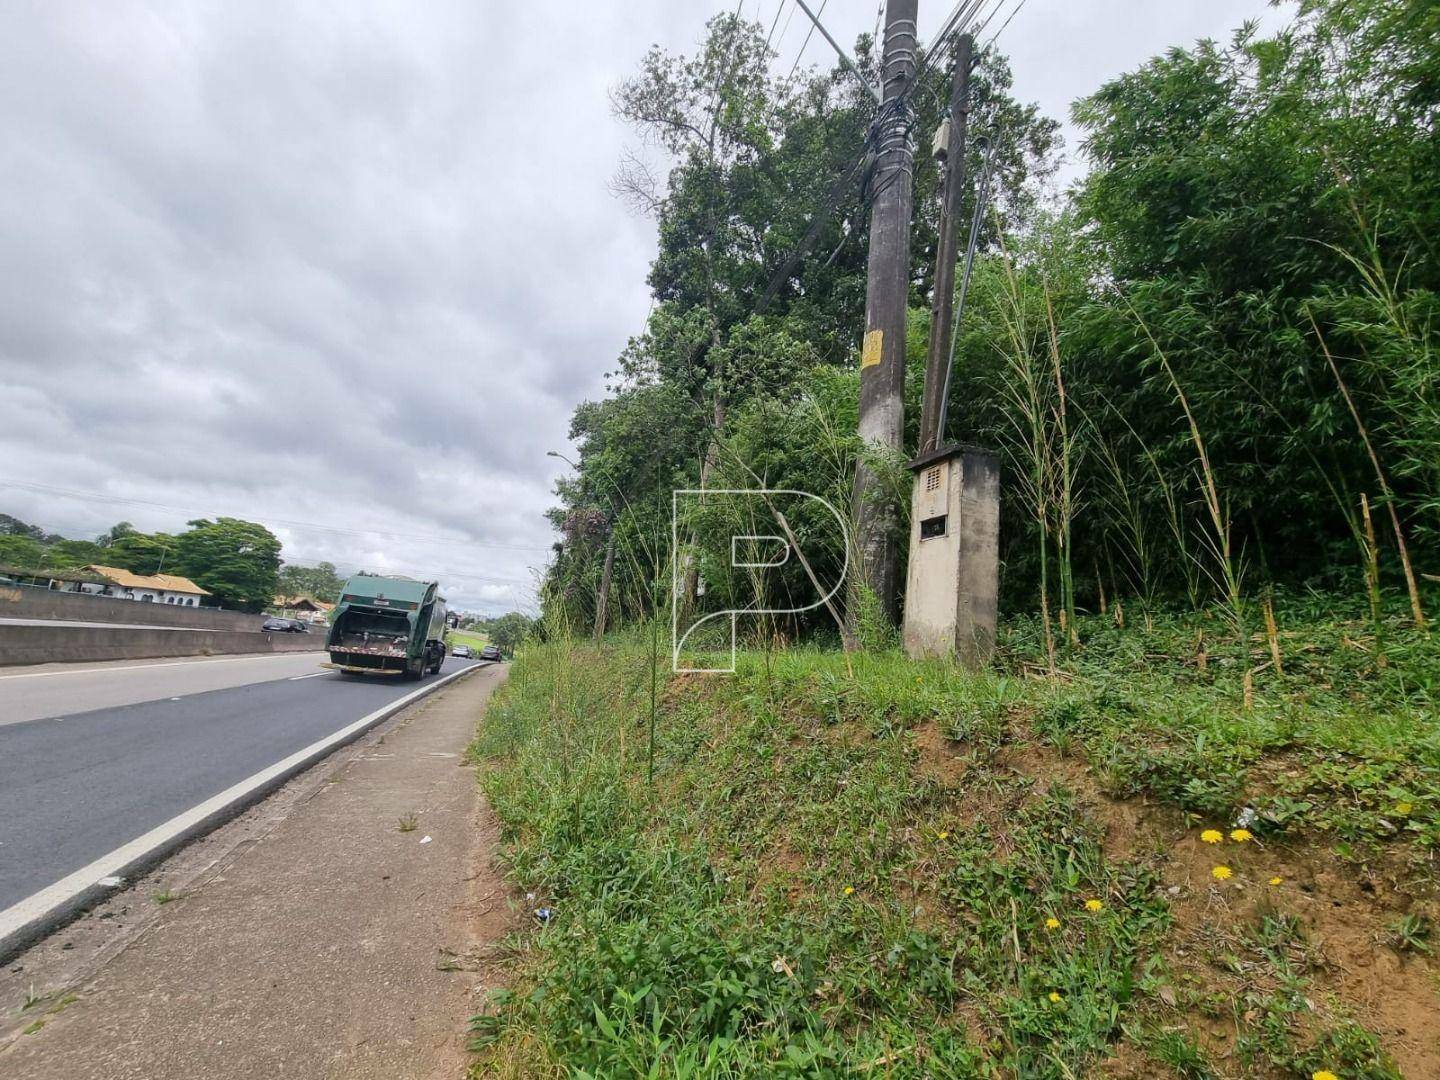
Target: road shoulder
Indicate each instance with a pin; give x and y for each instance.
(314, 936)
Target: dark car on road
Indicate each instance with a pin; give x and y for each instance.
(285, 626)
(490, 652)
(463, 651)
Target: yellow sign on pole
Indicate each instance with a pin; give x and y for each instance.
(873, 346)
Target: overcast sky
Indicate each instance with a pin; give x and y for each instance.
(346, 268)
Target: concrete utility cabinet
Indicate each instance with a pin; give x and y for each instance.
(954, 572)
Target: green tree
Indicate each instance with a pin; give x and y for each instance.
(13, 526)
(1238, 191)
(508, 630)
(115, 532)
(21, 552)
(141, 553)
(67, 554)
(321, 581)
(238, 561)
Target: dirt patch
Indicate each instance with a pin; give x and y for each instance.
(1345, 912)
(1133, 828)
(1126, 1061)
(780, 866)
(939, 757)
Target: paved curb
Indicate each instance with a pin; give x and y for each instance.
(46, 911)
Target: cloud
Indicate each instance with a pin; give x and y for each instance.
(350, 264)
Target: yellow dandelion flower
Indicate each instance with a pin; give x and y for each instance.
(1052, 923)
(1323, 1074)
(1241, 835)
(941, 835)
(1403, 808)
(1093, 905)
(1221, 873)
(1212, 836)
(1276, 880)
(1055, 995)
(849, 889)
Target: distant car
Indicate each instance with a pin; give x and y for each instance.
(490, 652)
(285, 626)
(462, 650)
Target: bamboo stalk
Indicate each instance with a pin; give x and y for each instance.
(1023, 387)
(1372, 575)
(1416, 612)
(1210, 491)
(1273, 634)
(1066, 477)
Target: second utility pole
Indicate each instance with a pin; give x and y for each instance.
(943, 304)
(882, 355)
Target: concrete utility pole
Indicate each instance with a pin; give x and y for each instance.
(953, 577)
(943, 304)
(882, 356)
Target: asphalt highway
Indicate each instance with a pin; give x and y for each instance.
(139, 743)
(45, 690)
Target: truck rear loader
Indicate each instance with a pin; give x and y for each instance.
(388, 626)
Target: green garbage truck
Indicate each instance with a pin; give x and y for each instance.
(388, 626)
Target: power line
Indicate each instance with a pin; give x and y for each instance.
(954, 23)
(95, 496)
(980, 26)
(806, 43)
(963, 10)
(845, 61)
(774, 22)
(1006, 23)
(786, 28)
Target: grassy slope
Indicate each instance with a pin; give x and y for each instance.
(465, 637)
(893, 874)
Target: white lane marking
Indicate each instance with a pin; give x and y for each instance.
(152, 667)
(312, 675)
(35, 906)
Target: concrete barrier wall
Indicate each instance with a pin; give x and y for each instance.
(28, 602)
(50, 644)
